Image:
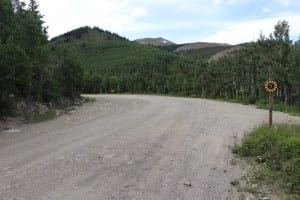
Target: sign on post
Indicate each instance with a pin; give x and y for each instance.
(270, 86)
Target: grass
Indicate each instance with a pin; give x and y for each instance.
(38, 117)
(37, 114)
(277, 152)
(282, 107)
(89, 99)
(262, 104)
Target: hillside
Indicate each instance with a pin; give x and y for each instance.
(195, 51)
(99, 50)
(200, 45)
(205, 53)
(155, 41)
(200, 50)
(113, 63)
(228, 51)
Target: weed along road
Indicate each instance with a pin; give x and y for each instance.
(129, 147)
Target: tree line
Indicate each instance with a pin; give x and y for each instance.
(240, 75)
(25, 59)
(243, 74)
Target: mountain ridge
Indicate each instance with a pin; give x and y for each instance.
(110, 44)
(162, 42)
(199, 45)
(158, 41)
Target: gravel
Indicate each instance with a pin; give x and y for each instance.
(129, 147)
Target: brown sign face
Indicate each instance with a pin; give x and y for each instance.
(271, 86)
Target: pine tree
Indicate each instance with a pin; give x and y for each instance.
(281, 50)
(6, 17)
(70, 77)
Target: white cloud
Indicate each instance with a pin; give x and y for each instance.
(285, 2)
(178, 20)
(250, 30)
(217, 2)
(139, 12)
(266, 10)
(113, 15)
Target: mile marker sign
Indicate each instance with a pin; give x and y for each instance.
(270, 86)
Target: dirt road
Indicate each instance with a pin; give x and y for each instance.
(129, 147)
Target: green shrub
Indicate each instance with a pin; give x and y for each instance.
(279, 149)
(249, 100)
(291, 174)
(282, 107)
(51, 91)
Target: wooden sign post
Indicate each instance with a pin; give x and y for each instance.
(271, 86)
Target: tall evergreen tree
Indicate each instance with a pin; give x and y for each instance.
(70, 77)
(281, 51)
(6, 18)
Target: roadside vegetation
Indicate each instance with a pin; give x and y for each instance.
(277, 152)
(27, 73)
(279, 106)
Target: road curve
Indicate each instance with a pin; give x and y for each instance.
(129, 147)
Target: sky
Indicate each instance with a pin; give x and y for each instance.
(181, 21)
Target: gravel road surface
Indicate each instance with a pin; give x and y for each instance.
(129, 147)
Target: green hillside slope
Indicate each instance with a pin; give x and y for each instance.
(118, 64)
(99, 50)
(203, 53)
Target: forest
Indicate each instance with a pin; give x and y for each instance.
(91, 60)
(240, 75)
